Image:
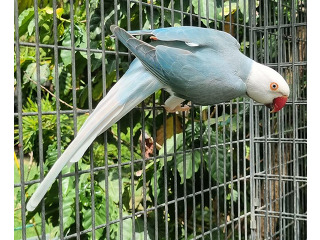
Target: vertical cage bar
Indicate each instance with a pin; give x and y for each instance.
(165, 168)
(225, 210)
(144, 183)
(280, 119)
(251, 132)
(154, 114)
(208, 129)
(294, 113)
(201, 172)
(74, 103)
(92, 181)
(175, 173)
(20, 121)
(193, 175)
(185, 202)
(57, 92)
(40, 133)
(104, 88)
(217, 166)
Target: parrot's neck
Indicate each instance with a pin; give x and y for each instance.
(244, 66)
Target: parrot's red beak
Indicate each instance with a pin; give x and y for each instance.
(278, 103)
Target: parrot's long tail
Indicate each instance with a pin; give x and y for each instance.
(135, 85)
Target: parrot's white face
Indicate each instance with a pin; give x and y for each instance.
(267, 86)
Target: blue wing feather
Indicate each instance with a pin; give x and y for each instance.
(199, 36)
(211, 71)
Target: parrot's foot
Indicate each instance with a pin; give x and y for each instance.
(177, 108)
(154, 38)
(173, 104)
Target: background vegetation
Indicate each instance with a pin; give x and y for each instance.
(174, 162)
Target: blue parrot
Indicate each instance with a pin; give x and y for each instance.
(202, 65)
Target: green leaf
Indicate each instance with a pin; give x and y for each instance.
(229, 8)
(81, 39)
(114, 186)
(204, 8)
(68, 209)
(24, 19)
(66, 54)
(189, 164)
(170, 144)
(31, 26)
(96, 61)
(65, 79)
(52, 155)
(60, 29)
(218, 163)
(139, 233)
(31, 73)
(233, 196)
(244, 8)
(23, 4)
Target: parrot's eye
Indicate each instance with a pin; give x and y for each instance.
(274, 86)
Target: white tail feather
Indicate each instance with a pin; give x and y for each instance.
(136, 85)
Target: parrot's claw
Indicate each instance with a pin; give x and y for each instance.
(177, 108)
(154, 38)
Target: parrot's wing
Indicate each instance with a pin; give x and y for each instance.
(197, 73)
(202, 77)
(144, 51)
(193, 36)
(135, 85)
(148, 54)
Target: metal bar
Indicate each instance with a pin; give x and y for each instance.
(231, 171)
(132, 177)
(224, 167)
(57, 93)
(154, 114)
(266, 124)
(185, 202)
(280, 123)
(161, 13)
(193, 176)
(79, 111)
(74, 103)
(40, 134)
(20, 122)
(294, 113)
(88, 54)
(165, 169)
(201, 172)
(217, 172)
(175, 177)
(144, 188)
(208, 129)
(104, 88)
(115, 7)
(251, 132)
(93, 50)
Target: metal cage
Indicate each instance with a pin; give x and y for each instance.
(229, 171)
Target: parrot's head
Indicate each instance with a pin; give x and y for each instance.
(267, 86)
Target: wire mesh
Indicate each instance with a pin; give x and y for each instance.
(280, 142)
(229, 171)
